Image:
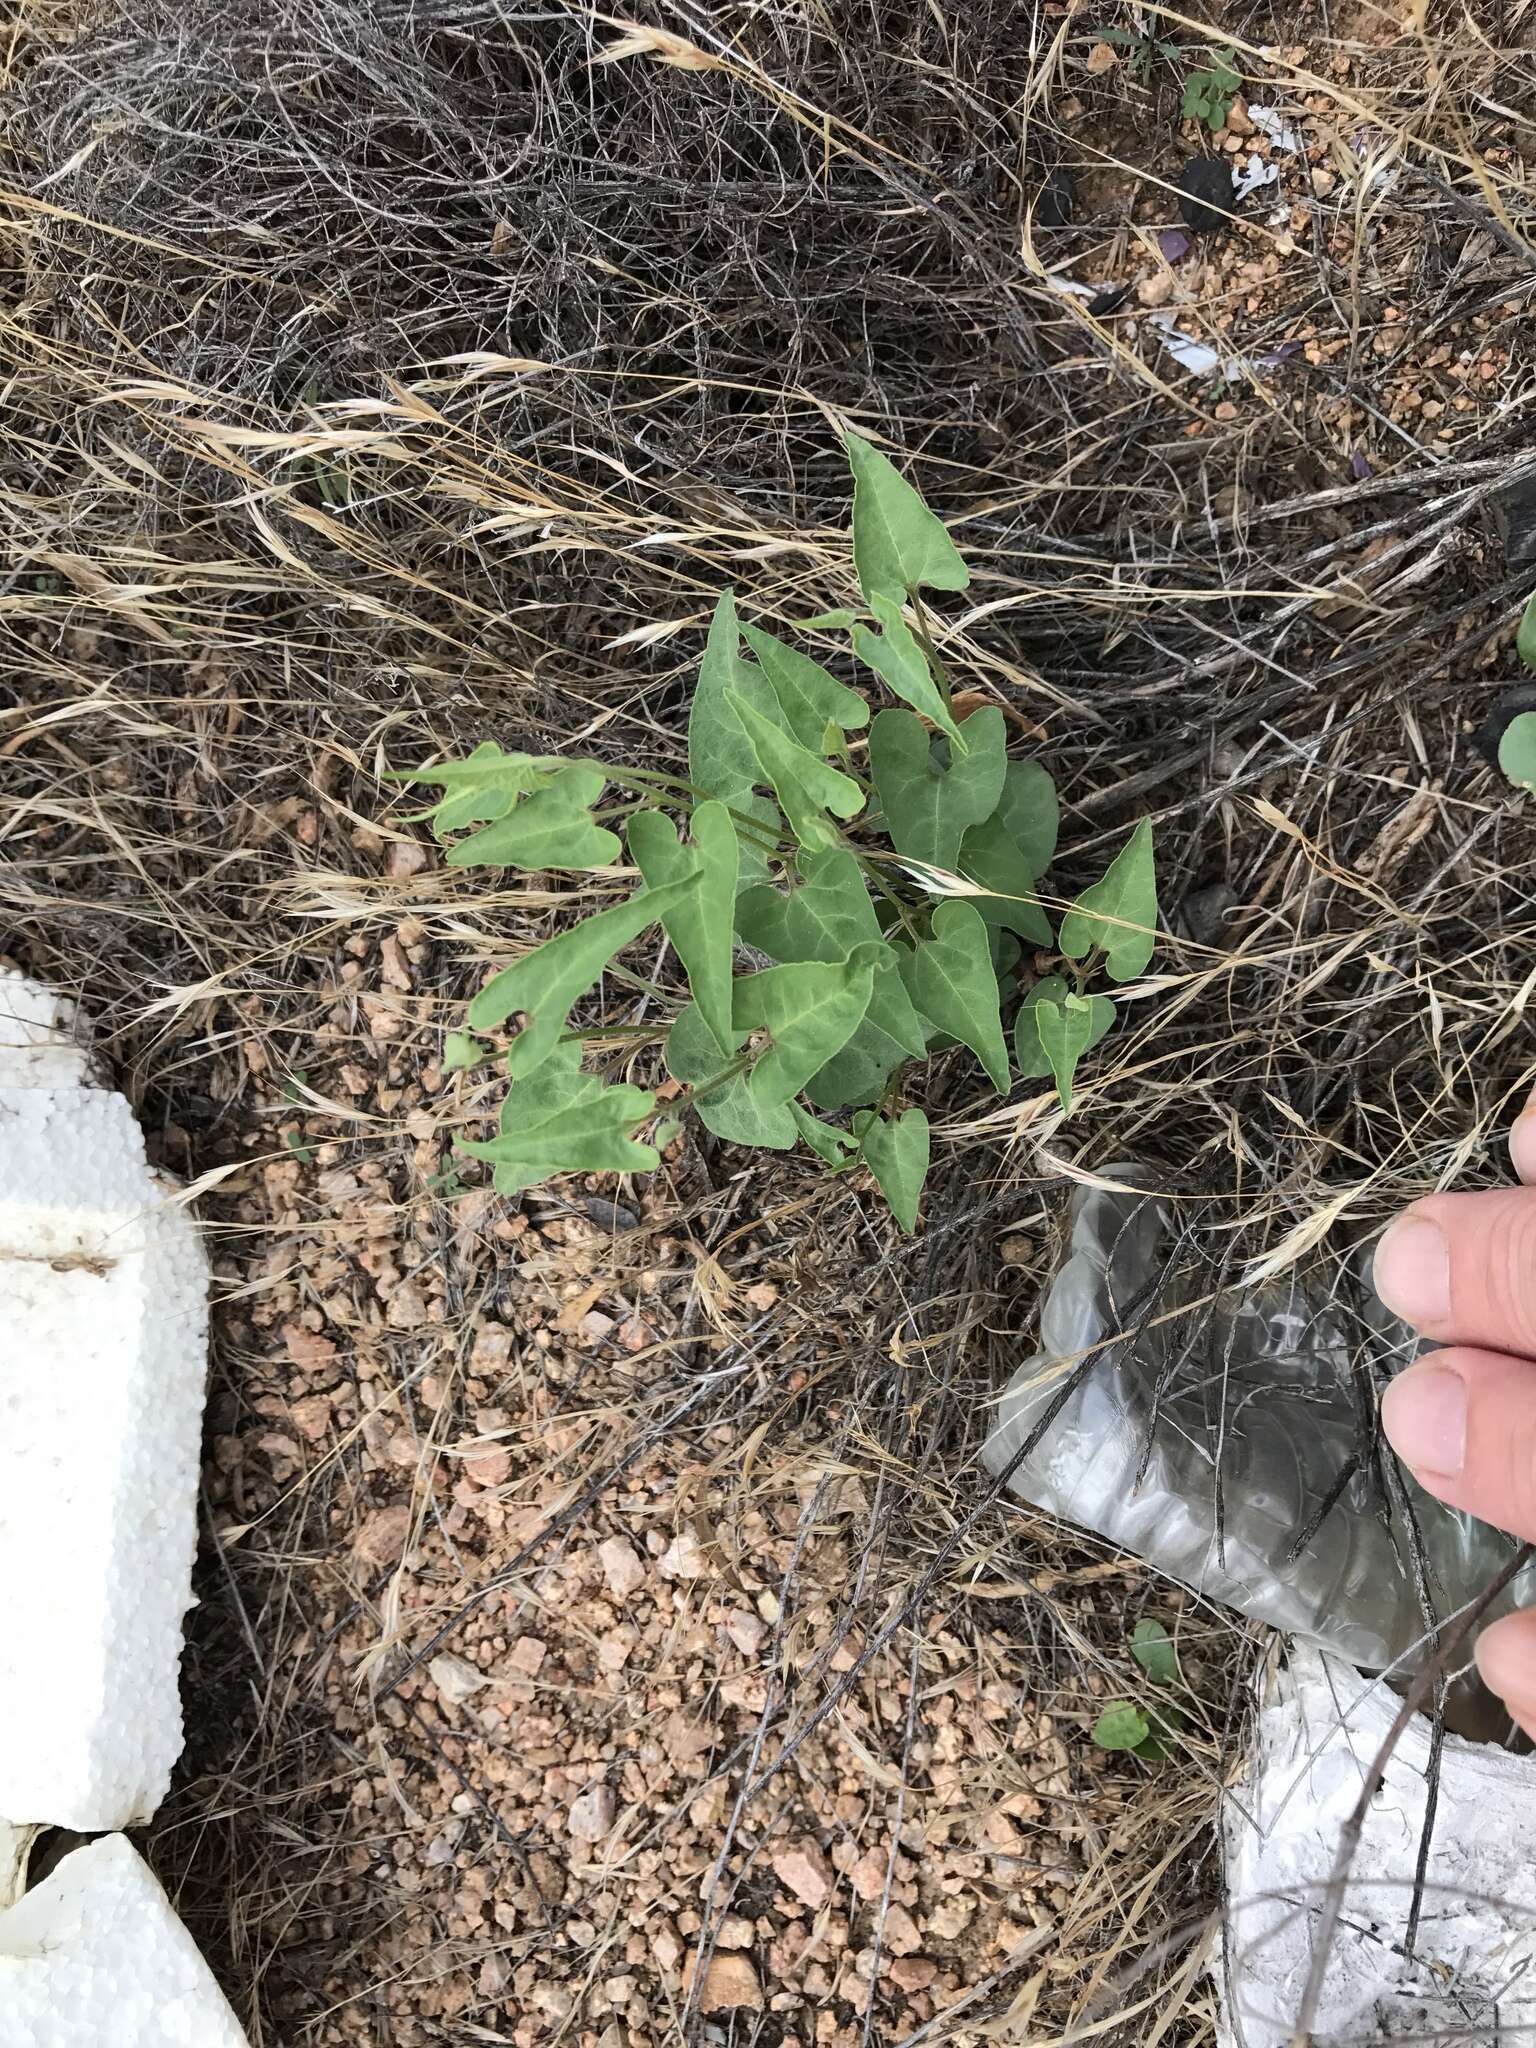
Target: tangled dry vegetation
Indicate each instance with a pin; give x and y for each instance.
(607, 1632)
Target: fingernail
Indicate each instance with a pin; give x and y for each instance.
(1522, 1146)
(1424, 1413)
(1413, 1271)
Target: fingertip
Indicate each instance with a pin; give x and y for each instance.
(1506, 1662)
(1412, 1270)
(1522, 1144)
(1424, 1414)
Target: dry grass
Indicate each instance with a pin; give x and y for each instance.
(381, 378)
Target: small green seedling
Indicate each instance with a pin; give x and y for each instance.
(1142, 48)
(461, 1051)
(1210, 91)
(848, 888)
(1125, 1726)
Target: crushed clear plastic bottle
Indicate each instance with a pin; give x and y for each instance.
(1225, 1434)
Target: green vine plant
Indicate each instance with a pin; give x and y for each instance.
(847, 893)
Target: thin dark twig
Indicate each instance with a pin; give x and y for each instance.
(1418, 1691)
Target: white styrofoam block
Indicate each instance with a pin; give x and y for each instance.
(44, 1042)
(94, 1957)
(1472, 1977)
(103, 1344)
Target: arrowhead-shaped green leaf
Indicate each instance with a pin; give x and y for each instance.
(859, 1072)
(1119, 912)
(722, 761)
(1055, 1028)
(727, 1108)
(753, 849)
(1517, 750)
(700, 923)
(561, 1120)
(553, 828)
(952, 981)
(1012, 849)
(808, 1009)
(809, 698)
(1030, 814)
(805, 785)
(928, 806)
(485, 785)
(898, 544)
(896, 1150)
(547, 981)
(896, 657)
(825, 1140)
(825, 918)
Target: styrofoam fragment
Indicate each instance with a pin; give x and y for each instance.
(14, 1846)
(95, 1958)
(1270, 123)
(1472, 1976)
(44, 1042)
(1254, 174)
(103, 1341)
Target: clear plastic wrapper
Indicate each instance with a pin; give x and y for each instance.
(1225, 1433)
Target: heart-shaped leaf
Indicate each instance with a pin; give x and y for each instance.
(1121, 1726)
(929, 805)
(726, 1107)
(898, 544)
(808, 1009)
(896, 657)
(825, 1140)
(989, 858)
(700, 923)
(805, 785)
(547, 981)
(1119, 912)
(561, 1120)
(1517, 750)
(896, 1151)
(859, 1072)
(1152, 1647)
(809, 698)
(553, 828)
(1054, 1030)
(483, 786)
(951, 979)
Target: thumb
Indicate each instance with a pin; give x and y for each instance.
(1462, 1269)
(1464, 1422)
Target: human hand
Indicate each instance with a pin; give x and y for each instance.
(1462, 1270)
